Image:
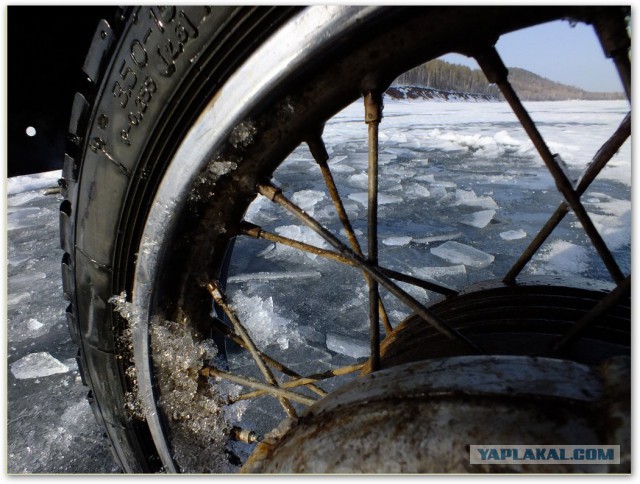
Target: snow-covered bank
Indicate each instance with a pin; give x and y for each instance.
(431, 94)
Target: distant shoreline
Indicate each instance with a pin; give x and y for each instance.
(410, 93)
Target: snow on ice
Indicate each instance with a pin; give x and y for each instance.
(513, 234)
(562, 257)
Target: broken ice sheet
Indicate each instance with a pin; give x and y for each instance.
(478, 219)
(436, 273)
(18, 298)
(397, 241)
(34, 324)
(470, 199)
(383, 198)
(307, 199)
(347, 345)
(437, 238)
(274, 276)
(36, 365)
(458, 253)
(263, 322)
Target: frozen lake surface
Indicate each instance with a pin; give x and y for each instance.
(462, 192)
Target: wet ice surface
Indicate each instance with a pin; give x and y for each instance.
(50, 426)
(449, 163)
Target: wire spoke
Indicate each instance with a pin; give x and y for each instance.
(228, 332)
(600, 160)
(496, 72)
(256, 232)
(274, 194)
(281, 393)
(308, 380)
(373, 115)
(220, 299)
(320, 155)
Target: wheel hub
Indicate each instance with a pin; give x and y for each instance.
(422, 417)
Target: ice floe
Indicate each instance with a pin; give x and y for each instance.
(458, 253)
(37, 365)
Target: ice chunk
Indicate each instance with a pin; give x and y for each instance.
(438, 238)
(504, 138)
(22, 198)
(347, 345)
(444, 184)
(299, 233)
(18, 298)
(418, 191)
(337, 159)
(220, 168)
(274, 276)
(342, 169)
(311, 335)
(383, 198)
(426, 178)
(24, 183)
(34, 324)
(242, 135)
(397, 241)
(478, 219)
(513, 234)
(37, 365)
(258, 211)
(360, 180)
(458, 253)
(307, 199)
(437, 191)
(440, 272)
(263, 323)
(470, 199)
(465, 195)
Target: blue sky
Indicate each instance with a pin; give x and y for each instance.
(557, 51)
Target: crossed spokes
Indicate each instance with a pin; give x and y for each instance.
(288, 387)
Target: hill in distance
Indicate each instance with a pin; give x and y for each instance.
(438, 79)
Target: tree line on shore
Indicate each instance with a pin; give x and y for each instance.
(445, 76)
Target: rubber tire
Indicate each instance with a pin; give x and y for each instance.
(103, 168)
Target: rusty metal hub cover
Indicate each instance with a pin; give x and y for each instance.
(422, 417)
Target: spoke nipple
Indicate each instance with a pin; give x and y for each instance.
(249, 229)
(244, 435)
(269, 190)
(373, 107)
(215, 292)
